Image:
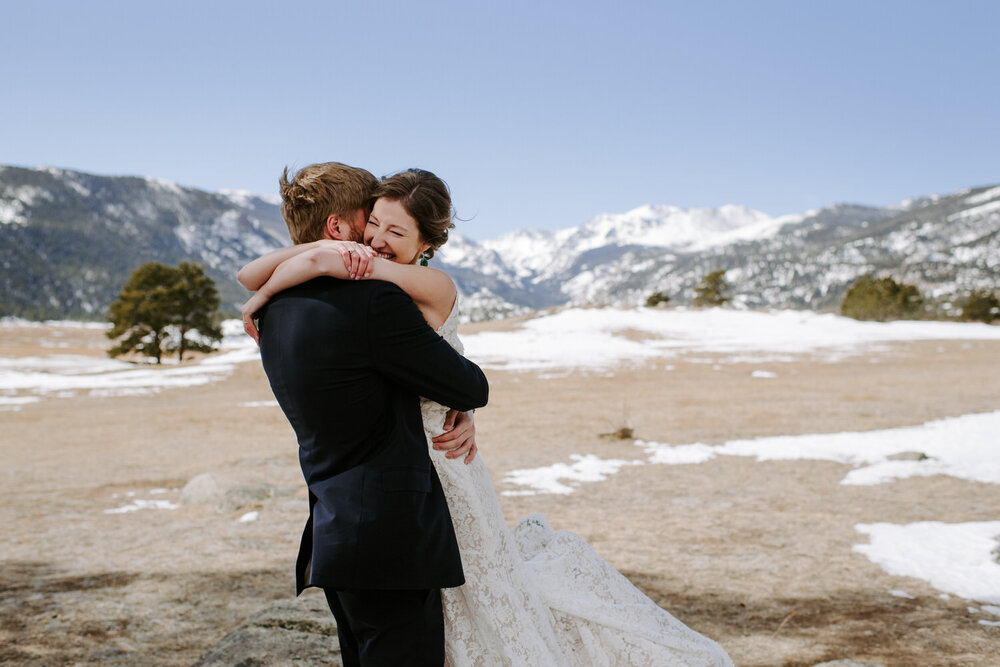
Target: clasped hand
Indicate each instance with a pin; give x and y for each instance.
(357, 257)
(459, 437)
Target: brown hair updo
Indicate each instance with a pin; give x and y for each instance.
(426, 198)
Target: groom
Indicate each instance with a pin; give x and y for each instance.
(347, 361)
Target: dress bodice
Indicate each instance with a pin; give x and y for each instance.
(434, 413)
(449, 329)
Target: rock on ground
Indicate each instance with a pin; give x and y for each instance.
(297, 632)
(201, 489)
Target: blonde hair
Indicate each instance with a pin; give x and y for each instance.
(320, 190)
(428, 201)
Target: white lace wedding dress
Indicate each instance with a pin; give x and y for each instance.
(536, 597)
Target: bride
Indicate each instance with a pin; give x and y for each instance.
(533, 596)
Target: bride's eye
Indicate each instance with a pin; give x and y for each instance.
(372, 222)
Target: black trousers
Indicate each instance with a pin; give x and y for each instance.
(390, 628)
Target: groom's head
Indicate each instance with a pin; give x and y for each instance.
(329, 200)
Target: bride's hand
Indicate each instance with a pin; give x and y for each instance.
(459, 437)
(248, 310)
(357, 257)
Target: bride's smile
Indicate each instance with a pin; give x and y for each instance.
(393, 233)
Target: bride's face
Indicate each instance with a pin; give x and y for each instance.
(393, 233)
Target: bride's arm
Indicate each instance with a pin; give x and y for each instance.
(338, 259)
(431, 290)
(356, 257)
(256, 273)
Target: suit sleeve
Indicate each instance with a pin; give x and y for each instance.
(405, 349)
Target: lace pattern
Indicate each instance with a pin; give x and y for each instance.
(539, 597)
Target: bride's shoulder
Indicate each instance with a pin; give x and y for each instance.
(439, 291)
(440, 280)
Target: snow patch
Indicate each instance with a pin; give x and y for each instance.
(597, 338)
(66, 375)
(964, 447)
(12, 212)
(679, 455)
(984, 196)
(955, 558)
(165, 185)
(140, 504)
(985, 209)
(547, 479)
(18, 400)
(246, 199)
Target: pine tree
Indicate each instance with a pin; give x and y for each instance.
(981, 306)
(713, 290)
(880, 299)
(160, 307)
(196, 305)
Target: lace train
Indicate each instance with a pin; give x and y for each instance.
(539, 597)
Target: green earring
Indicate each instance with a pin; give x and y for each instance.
(423, 258)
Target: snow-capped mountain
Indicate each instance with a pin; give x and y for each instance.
(538, 254)
(946, 246)
(68, 241)
(534, 269)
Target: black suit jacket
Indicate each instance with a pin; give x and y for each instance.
(347, 362)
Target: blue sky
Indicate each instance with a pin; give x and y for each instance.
(538, 114)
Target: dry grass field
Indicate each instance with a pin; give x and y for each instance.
(756, 555)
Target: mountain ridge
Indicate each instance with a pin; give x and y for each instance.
(69, 239)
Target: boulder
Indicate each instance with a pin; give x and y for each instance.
(297, 632)
(202, 489)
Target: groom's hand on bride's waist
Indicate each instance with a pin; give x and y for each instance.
(459, 437)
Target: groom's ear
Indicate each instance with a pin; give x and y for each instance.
(332, 228)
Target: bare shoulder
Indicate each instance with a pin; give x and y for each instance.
(441, 282)
(439, 299)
